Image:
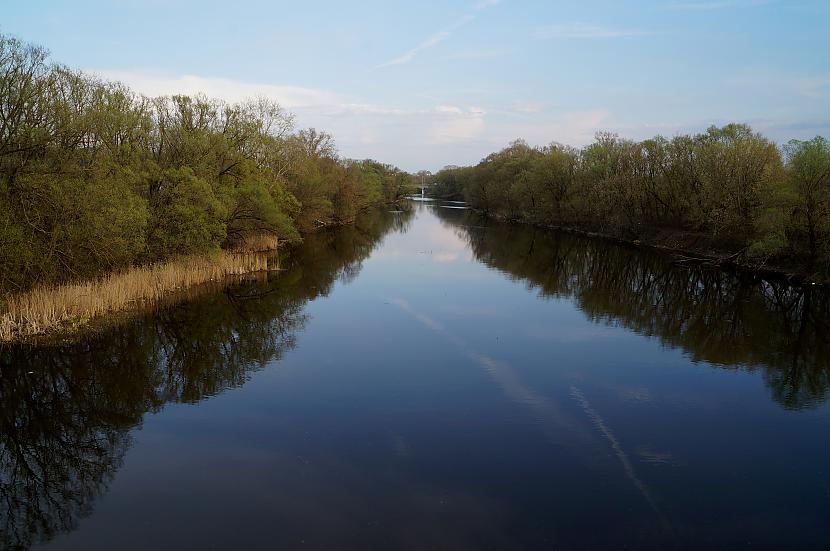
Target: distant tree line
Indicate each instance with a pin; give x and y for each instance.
(95, 177)
(729, 185)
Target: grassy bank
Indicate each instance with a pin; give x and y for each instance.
(64, 308)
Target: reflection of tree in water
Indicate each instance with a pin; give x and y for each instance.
(66, 411)
(728, 319)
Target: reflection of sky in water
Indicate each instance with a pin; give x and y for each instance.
(433, 401)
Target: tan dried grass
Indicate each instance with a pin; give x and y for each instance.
(256, 243)
(46, 309)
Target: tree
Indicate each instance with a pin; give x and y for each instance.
(808, 166)
(94, 177)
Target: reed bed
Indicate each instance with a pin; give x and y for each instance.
(255, 243)
(47, 309)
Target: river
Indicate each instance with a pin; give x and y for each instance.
(430, 380)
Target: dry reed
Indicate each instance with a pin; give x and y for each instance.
(68, 306)
(255, 243)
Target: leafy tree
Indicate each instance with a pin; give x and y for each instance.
(187, 217)
(727, 186)
(808, 164)
(94, 177)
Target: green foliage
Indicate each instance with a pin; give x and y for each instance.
(187, 217)
(728, 184)
(94, 177)
(769, 238)
(448, 184)
(252, 209)
(15, 253)
(809, 171)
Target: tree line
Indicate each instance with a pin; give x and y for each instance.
(95, 177)
(730, 187)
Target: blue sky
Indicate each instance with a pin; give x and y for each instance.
(429, 83)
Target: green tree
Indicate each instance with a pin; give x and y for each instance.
(808, 166)
(187, 218)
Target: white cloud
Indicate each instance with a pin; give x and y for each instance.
(456, 130)
(451, 109)
(585, 31)
(457, 125)
(572, 128)
(361, 129)
(429, 136)
(295, 98)
(154, 84)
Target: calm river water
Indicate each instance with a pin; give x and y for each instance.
(428, 380)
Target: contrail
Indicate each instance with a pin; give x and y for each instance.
(608, 434)
(546, 411)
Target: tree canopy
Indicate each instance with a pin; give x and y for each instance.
(95, 177)
(730, 185)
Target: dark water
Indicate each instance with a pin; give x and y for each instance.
(429, 381)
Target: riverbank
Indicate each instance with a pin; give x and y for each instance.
(693, 248)
(65, 309)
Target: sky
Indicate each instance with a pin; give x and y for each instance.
(425, 84)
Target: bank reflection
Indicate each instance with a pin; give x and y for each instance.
(731, 320)
(67, 410)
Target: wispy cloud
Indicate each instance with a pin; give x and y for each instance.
(455, 124)
(717, 5)
(298, 99)
(431, 41)
(586, 31)
(437, 38)
(160, 84)
(408, 56)
(363, 129)
(572, 128)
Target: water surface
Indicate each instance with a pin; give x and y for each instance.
(429, 380)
